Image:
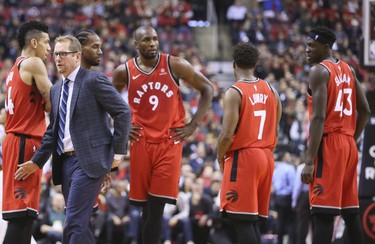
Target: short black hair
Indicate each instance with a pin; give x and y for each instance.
(245, 55)
(29, 30)
(323, 35)
(83, 35)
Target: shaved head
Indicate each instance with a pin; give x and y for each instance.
(140, 32)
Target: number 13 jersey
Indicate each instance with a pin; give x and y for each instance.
(154, 99)
(341, 100)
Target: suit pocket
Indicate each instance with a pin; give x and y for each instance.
(95, 142)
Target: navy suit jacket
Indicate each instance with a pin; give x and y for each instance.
(93, 99)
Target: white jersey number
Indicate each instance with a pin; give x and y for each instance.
(154, 100)
(262, 115)
(348, 110)
(9, 106)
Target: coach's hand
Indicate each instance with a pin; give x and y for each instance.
(115, 163)
(307, 175)
(25, 170)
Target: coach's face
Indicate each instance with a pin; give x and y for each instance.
(66, 60)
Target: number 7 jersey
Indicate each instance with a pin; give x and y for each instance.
(154, 99)
(256, 126)
(341, 99)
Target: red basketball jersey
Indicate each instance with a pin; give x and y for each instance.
(154, 99)
(341, 103)
(24, 105)
(258, 114)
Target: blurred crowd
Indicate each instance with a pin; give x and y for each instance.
(278, 28)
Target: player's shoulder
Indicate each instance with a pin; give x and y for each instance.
(32, 62)
(122, 67)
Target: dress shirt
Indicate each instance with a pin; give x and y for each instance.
(298, 186)
(67, 141)
(283, 178)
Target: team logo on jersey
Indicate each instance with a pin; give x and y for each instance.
(162, 72)
(19, 193)
(231, 196)
(318, 189)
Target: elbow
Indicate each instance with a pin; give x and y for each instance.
(318, 119)
(47, 107)
(364, 113)
(226, 138)
(367, 112)
(208, 91)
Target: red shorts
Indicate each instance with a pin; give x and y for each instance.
(246, 185)
(334, 189)
(20, 198)
(154, 170)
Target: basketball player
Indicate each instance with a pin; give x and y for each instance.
(339, 112)
(158, 126)
(252, 111)
(27, 98)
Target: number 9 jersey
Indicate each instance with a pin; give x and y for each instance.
(154, 99)
(341, 99)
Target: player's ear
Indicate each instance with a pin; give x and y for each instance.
(234, 65)
(34, 42)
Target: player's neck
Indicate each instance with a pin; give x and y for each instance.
(147, 64)
(246, 76)
(85, 65)
(27, 53)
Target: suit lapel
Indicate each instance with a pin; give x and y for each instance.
(76, 88)
(56, 99)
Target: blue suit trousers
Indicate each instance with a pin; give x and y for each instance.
(80, 192)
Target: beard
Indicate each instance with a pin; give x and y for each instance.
(149, 56)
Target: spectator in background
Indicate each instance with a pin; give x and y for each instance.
(165, 14)
(52, 224)
(236, 15)
(301, 206)
(179, 220)
(282, 183)
(183, 13)
(200, 213)
(118, 213)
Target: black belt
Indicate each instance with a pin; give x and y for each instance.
(69, 154)
(22, 135)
